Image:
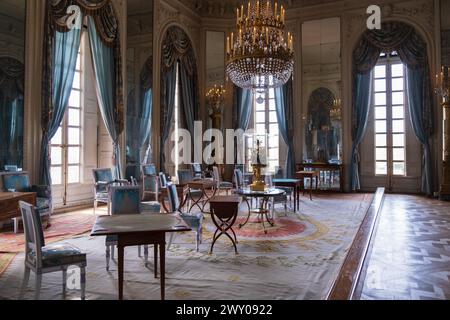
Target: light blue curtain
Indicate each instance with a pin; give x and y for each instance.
(363, 89)
(242, 108)
(285, 115)
(145, 127)
(188, 97)
(167, 109)
(105, 68)
(66, 47)
(416, 88)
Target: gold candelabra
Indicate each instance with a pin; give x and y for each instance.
(442, 88)
(336, 111)
(258, 182)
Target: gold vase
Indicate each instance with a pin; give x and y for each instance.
(258, 182)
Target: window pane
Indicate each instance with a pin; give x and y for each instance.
(261, 106)
(74, 117)
(77, 81)
(380, 126)
(260, 128)
(398, 154)
(273, 153)
(74, 100)
(56, 156)
(57, 139)
(73, 174)
(274, 141)
(380, 113)
(398, 126)
(381, 140)
(260, 117)
(272, 105)
(380, 71)
(381, 154)
(380, 99)
(381, 168)
(398, 98)
(274, 129)
(273, 117)
(74, 136)
(74, 155)
(56, 173)
(398, 84)
(380, 85)
(398, 112)
(399, 169)
(271, 93)
(397, 70)
(398, 140)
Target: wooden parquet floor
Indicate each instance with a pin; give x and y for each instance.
(410, 258)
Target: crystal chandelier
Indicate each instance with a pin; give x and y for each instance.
(443, 85)
(260, 54)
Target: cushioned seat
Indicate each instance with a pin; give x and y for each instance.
(225, 185)
(193, 220)
(60, 254)
(150, 207)
(112, 240)
(42, 204)
(194, 193)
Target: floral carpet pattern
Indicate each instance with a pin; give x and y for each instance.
(299, 258)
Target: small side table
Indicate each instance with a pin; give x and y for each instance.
(311, 175)
(224, 212)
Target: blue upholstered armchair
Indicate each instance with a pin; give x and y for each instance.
(150, 183)
(20, 182)
(103, 181)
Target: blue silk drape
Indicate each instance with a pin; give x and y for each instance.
(168, 104)
(105, 69)
(285, 115)
(145, 127)
(242, 108)
(65, 55)
(363, 91)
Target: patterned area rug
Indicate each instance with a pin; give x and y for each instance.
(64, 226)
(299, 258)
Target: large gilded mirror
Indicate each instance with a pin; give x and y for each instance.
(322, 110)
(215, 73)
(139, 85)
(12, 73)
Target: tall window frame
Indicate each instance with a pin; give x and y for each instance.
(389, 106)
(66, 146)
(265, 121)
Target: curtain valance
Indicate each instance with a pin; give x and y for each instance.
(393, 36)
(13, 70)
(101, 10)
(178, 46)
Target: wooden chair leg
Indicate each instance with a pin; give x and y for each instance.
(38, 286)
(108, 253)
(83, 282)
(26, 278)
(64, 281)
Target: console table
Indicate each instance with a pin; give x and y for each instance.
(324, 167)
(9, 205)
